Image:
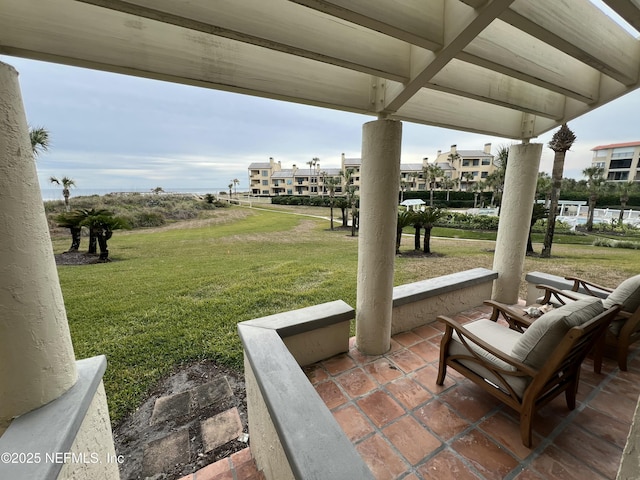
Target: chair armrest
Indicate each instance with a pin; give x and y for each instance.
(467, 337)
(516, 320)
(586, 285)
(553, 292)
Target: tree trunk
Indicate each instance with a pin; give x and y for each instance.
(431, 196)
(331, 209)
(345, 217)
(529, 243)
(93, 241)
(556, 181)
(427, 238)
(103, 235)
(398, 239)
(75, 238)
(416, 238)
(623, 204)
(592, 207)
(354, 218)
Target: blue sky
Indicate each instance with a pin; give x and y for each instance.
(111, 131)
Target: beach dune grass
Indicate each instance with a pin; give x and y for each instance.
(174, 295)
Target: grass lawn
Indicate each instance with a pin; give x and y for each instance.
(175, 294)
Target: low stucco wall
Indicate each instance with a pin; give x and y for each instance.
(68, 438)
(419, 303)
(93, 453)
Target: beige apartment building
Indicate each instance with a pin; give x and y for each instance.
(619, 160)
(270, 179)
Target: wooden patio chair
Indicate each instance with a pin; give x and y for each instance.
(526, 370)
(625, 328)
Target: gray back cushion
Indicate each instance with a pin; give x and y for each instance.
(627, 294)
(539, 340)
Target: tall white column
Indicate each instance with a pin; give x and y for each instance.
(37, 363)
(380, 178)
(515, 218)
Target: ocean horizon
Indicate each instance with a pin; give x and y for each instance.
(50, 194)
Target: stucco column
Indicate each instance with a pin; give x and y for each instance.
(515, 218)
(37, 363)
(380, 180)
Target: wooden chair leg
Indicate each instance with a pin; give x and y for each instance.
(526, 425)
(442, 372)
(598, 354)
(623, 351)
(570, 394)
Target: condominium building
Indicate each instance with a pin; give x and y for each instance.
(619, 160)
(270, 179)
(466, 167)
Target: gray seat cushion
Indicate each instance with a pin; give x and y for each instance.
(503, 339)
(536, 344)
(627, 294)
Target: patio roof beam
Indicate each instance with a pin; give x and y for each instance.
(629, 10)
(461, 25)
(602, 43)
(417, 22)
(312, 35)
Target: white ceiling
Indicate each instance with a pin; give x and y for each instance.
(509, 68)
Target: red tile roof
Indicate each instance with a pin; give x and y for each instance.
(616, 145)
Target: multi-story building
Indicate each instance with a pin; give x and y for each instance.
(619, 160)
(270, 179)
(466, 167)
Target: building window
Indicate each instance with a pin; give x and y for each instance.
(265, 182)
(314, 189)
(466, 163)
(486, 161)
(265, 192)
(265, 173)
(626, 163)
(618, 176)
(475, 174)
(289, 181)
(484, 174)
(289, 191)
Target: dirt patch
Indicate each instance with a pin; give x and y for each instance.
(133, 433)
(76, 258)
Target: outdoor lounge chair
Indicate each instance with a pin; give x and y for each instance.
(526, 370)
(625, 328)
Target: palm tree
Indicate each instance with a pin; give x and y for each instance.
(595, 182)
(39, 140)
(416, 222)
(561, 141)
(230, 186)
(431, 173)
(404, 220)
(331, 183)
(429, 216)
(66, 183)
(468, 177)
(72, 221)
(543, 187)
(623, 190)
(352, 199)
(236, 182)
(540, 211)
(477, 189)
(448, 183)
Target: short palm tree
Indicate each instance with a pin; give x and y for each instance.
(594, 183)
(623, 190)
(39, 140)
(235, 189)
(404, 220)
(66, 183)
(560, 143)
(330, 184)
(429, 216)
(431, 173)
(468, 178)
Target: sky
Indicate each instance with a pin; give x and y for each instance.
(111, 131)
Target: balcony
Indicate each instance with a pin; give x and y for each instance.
(318, 408)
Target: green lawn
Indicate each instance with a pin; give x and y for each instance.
(175, 294)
